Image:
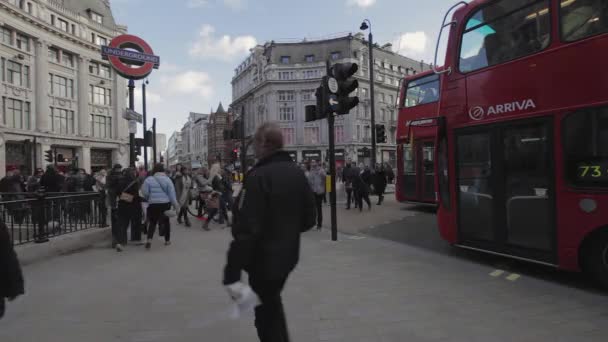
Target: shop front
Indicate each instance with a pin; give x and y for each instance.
(100, 159)
(19, 156)
(293, 155)
(364, 156)
(389, 157)
(309, 155)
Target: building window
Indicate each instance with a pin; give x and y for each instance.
(101, 41)
(96, 17)
(339, 134)
(364, 93)
(22, 4)
(286, 75)
(358, 133)
(18, 74)
(16, 113)
(104, 71)
(62, 121)
(287, 95)
(286, 113)
(62, 24)
(100, 96)
(310, 74)
(308, 94)
(285, 59)
(67, 59)
(310, 58)
(7, 37)
(61, 86)
(101, 126)
(335, 55)
(311, 135)
(94, 68)
(383, 115)
(382, 99)
(289, 135)
(367, 132)
(391, 100)
(73, 29)
(54, 55)
(389, 80)
(23, 42)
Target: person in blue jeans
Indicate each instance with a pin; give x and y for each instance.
(159, 192)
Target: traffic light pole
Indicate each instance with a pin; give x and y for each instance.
(371, 94)
(332, 169)
(154, 140)
(143, 94)
(243, 143)
(131, 135)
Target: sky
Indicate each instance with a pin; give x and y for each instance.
(201, 42)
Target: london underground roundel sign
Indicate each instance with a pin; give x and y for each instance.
(130, 56)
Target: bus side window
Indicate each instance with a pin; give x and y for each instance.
(583, 18)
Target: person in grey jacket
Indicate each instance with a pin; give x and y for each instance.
(316, 179)
(159, 192)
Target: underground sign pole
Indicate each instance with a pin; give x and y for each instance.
(132, 58)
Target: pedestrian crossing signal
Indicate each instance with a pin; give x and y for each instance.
(48, 156)
(380, 134)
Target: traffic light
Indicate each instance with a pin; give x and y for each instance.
(235, 155)
(48, 156)
(139, 143)
(148, 139)
(342, 84)
(320, 111)
(237, 129)
(380, 134)
(60, 158)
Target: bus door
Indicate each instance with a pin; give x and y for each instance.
(505, 187)
(426, 171)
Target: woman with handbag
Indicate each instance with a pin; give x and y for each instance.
(129, 209)
(183, 185)
(159, 191)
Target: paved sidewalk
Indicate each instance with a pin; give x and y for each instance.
(359, 289)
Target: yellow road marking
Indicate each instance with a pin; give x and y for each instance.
(513, 277)
(497, 273)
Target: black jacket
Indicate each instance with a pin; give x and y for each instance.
(52, 182)
(11, 277)
(380, 182)
(274, 207)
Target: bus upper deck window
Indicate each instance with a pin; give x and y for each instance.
(503, 31)
(583, 18)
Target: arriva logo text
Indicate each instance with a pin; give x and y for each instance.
(480, 113)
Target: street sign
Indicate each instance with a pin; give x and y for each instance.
(333, 85)
(132, 127)
(135, 63)
(132, 115)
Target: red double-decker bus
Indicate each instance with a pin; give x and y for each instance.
(522, 154)
(419, 99)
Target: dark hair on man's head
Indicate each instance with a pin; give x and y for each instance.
(183, 169)
(269, 136)
(158, 168)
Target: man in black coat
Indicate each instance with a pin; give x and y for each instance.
(380, 181)
(11, 277)
(274, 207)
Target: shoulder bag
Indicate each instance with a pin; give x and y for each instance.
(125, 196)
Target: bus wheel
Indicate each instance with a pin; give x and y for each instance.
(596, 259)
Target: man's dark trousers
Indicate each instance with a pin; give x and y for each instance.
(319, 206)
(270, 319)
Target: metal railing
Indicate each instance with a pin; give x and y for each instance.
(36, 217)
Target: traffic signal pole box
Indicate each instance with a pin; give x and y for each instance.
(333, 98)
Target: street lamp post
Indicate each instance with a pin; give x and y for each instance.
(366, 24)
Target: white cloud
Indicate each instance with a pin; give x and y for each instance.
(361, 3)
(411, 44)
(151, 97)
(189, 82)
(236, 4)
(197, 3)
(222, 48)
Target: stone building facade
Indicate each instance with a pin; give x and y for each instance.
(194, 137)
(277, 80)
(56, 91)
(219, 149)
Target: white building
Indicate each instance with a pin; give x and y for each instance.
(278, 79)
(174, 149)
(194, 137)
(56, 90)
